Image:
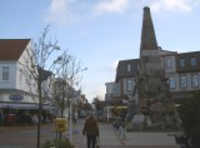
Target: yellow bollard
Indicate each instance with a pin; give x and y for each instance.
(61, 125)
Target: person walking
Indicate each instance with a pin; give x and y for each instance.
(1, 118)
(91, 130)
(35, 119)
(122, 130)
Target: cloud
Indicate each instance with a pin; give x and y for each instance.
(61, 12)
(111, 6)
(69, 11)
(172, 5)
(58, 12)
(96, 90)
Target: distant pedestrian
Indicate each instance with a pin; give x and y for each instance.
(122, 130)
(35, 119)
(1, 118)
(91, 130)
(74, 119)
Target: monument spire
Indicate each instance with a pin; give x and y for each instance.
(148, 39)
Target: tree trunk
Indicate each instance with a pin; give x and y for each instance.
(39, 114)
(63, 107)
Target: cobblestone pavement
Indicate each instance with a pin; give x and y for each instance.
(24, 136)
(109, 139)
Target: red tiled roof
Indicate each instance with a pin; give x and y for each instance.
(11, 49)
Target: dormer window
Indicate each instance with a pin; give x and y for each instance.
(169, 63)
(193, 61)
(129, 67)
(182, 62)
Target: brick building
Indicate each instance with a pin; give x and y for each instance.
(181, 70)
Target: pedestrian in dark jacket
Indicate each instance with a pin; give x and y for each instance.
(91, 130)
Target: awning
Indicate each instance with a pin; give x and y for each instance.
(24, 106)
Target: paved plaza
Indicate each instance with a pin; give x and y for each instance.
(25, 137)
(110, 139)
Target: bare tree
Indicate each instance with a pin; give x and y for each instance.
(68, 71)
(39, 58)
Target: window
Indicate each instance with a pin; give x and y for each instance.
(169, 63)
(129, 67)
(172, 83)
(129, 85)
(182, 62)
(195, 82)
(20, 76)
(5, 73)
(193, 61)
(183, 82)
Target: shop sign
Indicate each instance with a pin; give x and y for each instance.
(16, 97)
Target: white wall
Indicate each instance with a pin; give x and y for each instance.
(20, 79)
(5, 97)
(24, 80)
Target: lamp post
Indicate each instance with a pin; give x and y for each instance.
(70, 107)
(70, 101)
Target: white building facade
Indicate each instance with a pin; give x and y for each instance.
(18, 89)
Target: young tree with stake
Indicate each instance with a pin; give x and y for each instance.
(39, 58)
(68, 69)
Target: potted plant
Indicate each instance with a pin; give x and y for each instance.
(58, 143)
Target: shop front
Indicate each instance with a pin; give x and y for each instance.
(19, 108)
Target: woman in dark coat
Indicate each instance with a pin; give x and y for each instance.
(91, 130)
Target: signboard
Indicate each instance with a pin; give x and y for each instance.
(61, 124)
(16, 97)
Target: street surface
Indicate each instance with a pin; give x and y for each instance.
(25, 137)
(110, 139)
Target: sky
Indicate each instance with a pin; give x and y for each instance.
(101, 32)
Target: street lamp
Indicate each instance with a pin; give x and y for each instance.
(71, 105)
